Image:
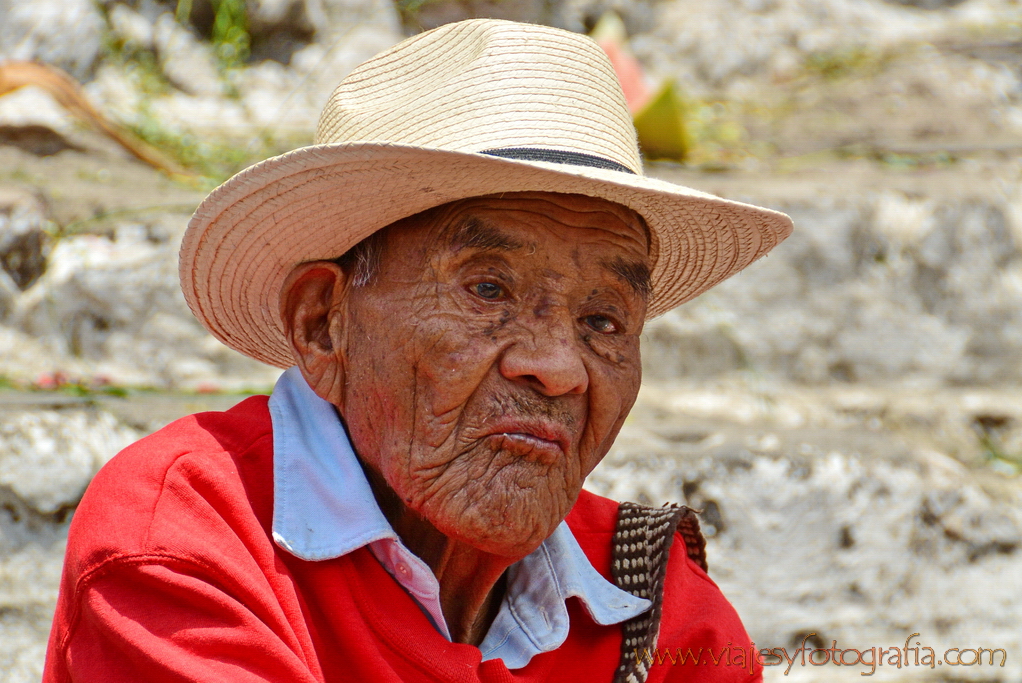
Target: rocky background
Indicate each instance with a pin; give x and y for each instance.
(846, 413)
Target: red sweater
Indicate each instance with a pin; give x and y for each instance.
(171, 575)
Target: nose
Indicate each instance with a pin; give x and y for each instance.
(547, 357)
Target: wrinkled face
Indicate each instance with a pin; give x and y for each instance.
(493, 358)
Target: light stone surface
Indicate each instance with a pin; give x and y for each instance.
(65, 33)
(24, 634)
(874, 284)
(682, 38)
(188, 62)
(131, 26)
(50, 457)
(111, 310)
(24, 243)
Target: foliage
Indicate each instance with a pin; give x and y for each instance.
(719, 140)
(138, 63)
(215, 161)
(991, 441)
(231, 40)
(413, 6)
(183, 11)
(229, 34)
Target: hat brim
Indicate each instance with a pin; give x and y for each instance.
(318, 201)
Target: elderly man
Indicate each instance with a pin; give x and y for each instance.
(457, 275)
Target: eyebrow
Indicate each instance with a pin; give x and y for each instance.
(473, 233)
(633, 273)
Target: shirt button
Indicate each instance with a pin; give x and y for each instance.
(402, 569)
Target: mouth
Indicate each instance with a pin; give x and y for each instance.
(537, 441)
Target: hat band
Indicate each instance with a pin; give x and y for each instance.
(557, 156)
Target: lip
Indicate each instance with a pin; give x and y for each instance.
(539, 435)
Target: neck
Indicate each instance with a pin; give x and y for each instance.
(472, 582)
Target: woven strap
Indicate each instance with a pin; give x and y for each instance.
(642, 542)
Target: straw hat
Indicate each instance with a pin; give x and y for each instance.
(472, 108)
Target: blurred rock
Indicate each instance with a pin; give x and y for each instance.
(347, 32)
(131, 27)
(876, 286)
(114, 92)
(278, 28)
(333, 18)
(916, 100)
(33, 106)
(24, 632)
(685, 43)
(268, 91)
(682, 39)
(23, 242)
(47, 458)
(270, 14)
(48, 454)
(111, 310)
(35, 139)
(203, 115)
(433, 14)
(65, 33)
(186, 61)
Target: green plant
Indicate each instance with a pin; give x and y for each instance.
(229, 35)
(231, 39)
(183, 11)
(719, 141)
(214, 160)
(138, 63)
(995, 453)
(412, 6)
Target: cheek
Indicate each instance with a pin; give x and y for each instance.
(452, 357)
(613, 388)
(375, 405)
(410, 375)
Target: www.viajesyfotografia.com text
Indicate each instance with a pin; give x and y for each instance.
(869, 659)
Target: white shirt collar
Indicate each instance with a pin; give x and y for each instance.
(324, 508)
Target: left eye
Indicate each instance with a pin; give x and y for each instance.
(488, 290)
(600, 323)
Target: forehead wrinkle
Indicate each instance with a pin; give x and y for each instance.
(474, 232)
(633, 273)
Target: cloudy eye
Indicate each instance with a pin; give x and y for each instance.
(600, 323)
(488, 290)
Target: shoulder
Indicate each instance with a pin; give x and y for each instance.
(170, 490)
(592, 522)
(695, 613)
(698, 623)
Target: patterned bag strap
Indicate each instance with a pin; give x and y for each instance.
(641, 545)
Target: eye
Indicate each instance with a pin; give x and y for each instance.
(488, 290)
(600, 323)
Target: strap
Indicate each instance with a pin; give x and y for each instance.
(557, 156)
(641, 546)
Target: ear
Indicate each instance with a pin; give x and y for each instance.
(313, 306)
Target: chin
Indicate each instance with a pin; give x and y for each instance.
(492, 529)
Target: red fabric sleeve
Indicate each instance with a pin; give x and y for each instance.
(140, 621)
